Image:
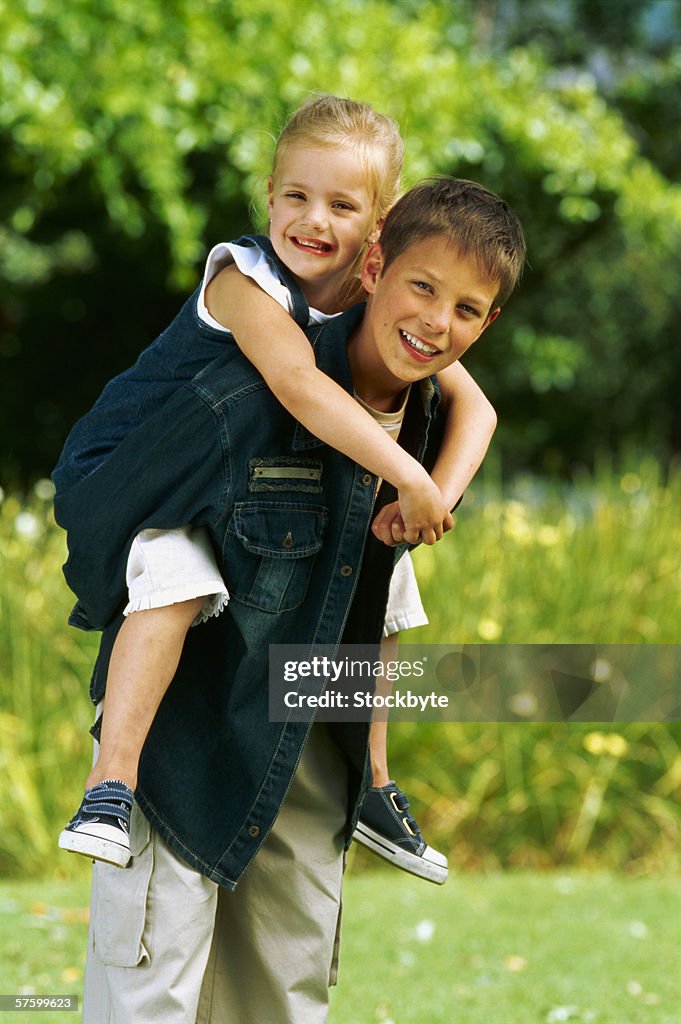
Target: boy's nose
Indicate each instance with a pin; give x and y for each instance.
(437, 318)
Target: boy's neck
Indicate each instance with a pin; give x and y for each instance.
(371, 382)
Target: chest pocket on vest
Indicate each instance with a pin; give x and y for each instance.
(270, 551)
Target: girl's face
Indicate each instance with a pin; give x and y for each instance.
(321, 214)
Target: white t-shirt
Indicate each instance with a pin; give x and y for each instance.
(252, 262)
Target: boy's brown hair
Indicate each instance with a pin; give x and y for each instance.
(475, 220)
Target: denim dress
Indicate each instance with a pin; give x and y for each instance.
(181, 351)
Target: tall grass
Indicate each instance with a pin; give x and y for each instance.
(596, 562)
(44, 668)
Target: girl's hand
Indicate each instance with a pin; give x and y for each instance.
(389, 527)
(425, 514)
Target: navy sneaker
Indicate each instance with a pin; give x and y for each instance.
(386, 827)
(100, 829)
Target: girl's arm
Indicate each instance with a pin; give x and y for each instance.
(469, 426)
(277, 347)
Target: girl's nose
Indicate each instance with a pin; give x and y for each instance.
(317, 216)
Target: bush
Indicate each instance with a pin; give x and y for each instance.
(597, 562)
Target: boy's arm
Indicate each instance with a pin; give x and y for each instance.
(469, 426)
(279, 350)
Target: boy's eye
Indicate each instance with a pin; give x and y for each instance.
(468, 309)
(423, 286)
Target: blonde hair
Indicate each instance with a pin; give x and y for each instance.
(375, 140)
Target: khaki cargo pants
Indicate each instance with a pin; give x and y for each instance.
(168, 946)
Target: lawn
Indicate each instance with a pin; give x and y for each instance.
(501, 948)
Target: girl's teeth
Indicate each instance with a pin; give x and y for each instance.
(420, 346)
(312, 245)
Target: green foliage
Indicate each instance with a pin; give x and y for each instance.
(592, 564)
(134, 135)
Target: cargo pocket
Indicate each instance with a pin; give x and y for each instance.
(121, 900)
(269, 553)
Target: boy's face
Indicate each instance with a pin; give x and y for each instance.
(423, 312)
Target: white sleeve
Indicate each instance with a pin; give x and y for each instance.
(253, 263)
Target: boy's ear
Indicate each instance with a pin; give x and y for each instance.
(492, 316)
(372, 266)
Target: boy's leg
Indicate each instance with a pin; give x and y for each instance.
(275, 941)
(150, 933)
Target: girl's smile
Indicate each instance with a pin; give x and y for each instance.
(321, 214)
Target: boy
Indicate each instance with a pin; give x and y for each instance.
(290, 521)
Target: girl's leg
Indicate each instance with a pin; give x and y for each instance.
(385, 824)
(143, 662)
(173, 581)
(378, 733)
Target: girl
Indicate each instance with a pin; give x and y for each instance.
(335, 175)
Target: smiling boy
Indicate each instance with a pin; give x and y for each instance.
(221, 788)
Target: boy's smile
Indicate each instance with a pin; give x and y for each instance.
(423, 312)
(321, 214)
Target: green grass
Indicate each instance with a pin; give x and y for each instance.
(510, 949)
(498, 948)
(43, 938)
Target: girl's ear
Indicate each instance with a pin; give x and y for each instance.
(270, 186)
(371, 267)
(375, 232)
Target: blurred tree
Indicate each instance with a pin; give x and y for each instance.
(133, 135)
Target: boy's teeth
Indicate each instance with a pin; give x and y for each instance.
(419, 345)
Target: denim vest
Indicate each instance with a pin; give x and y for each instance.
(176, 356)
(289, 519)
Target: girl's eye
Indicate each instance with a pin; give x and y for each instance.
(344, 206)
(295, 195)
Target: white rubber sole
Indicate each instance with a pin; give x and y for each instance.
(95, 846)
(431, 865)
